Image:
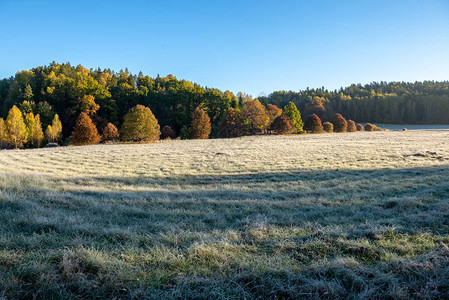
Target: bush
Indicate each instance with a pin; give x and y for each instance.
(84, 132)
(231, 126)
(200, 127)
(359, 127)
(184, 134)
(340, 124)
(313, 124)
(110, 132)
(140, 125)
(351, 126)
(167, 133)
(369, 127)
(282, 125)
(328, 127)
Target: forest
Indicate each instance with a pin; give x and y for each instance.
(103, 97)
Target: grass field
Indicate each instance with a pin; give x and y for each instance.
(312, 216)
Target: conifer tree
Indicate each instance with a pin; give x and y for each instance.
(85, 132)
(16, 129)
(140, 125)
(292, 112)
(200, 127)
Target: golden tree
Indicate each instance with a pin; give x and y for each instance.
(2, 133)
(38, 134)
(30, 123)
(255, 116)
(16, 129)
(200, 127)
(49, 134)
(56, 127)
(110, 133)
(85, 132)
(140, 125)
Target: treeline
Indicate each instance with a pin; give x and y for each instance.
(394, 102)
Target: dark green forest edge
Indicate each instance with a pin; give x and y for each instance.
(106, 96)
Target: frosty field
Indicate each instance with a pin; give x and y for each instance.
(311, 216)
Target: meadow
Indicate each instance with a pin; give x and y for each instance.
(350, 215)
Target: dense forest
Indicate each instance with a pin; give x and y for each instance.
(106, 96)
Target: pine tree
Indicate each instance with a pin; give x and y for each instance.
(38, 134)
(85, 132)
(140, 125)
(200, 127)
(313, 124)
(110, 132)
(16, 129)
(292, 112)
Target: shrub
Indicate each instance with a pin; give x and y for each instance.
(110, 132)
(313, 124)
(282, 125)
(140, 125)
(184, 134)
(328, 127)
(369, 127)
(340, 124)
(359, 127)
(167, 133)
(84, 132)
(351, 126)
(231, 126)
(292, 112)
(200, 127)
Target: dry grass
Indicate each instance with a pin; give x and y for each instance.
(312, 216)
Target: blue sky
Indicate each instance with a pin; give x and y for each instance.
(249, 46)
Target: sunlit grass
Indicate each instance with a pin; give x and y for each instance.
(331, 215)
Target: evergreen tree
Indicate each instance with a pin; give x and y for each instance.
(85, 132)
(200, 127)
(292, 112)
(17, 132)
(140, 125)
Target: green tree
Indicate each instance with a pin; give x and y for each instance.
(140, 125)
(292, 112)
(17, 132)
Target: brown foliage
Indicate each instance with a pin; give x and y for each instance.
(282, 125)
(255, 116)
(369, 127)
(85, 132)
(272, 112)
(110, 132)
(167, 133)
(359, 127)
(231, 126)
(313, 124)
(340, 124)
(315, 107)
(328, 127)
(351, 126)
(200, 127)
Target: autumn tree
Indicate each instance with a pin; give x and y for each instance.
(255, 116)
(231, 125)
(369, 127)
(140, 125)
(351, 126)
(282, 125)
(16, 129)
(30, 124)
(359, 127)
(49, 134)
(200, 127)
(56, 127)
(167, 133)
(110, 132)
(85, 132)
(38, 135)
(87, 104)
(292, 112)
(340, 124)
(313, 124)
(2, 133)
(272, 112)
(316, 107)
(328, 127)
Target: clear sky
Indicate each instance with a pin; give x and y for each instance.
(251, 46)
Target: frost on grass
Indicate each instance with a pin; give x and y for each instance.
(358, 215)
